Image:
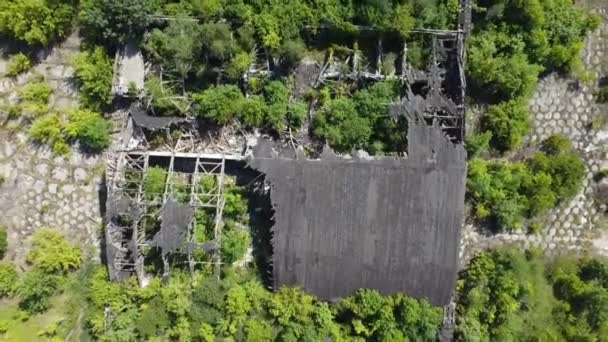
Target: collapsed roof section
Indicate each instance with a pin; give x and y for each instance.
(388, 224)
(130, 209)
(144, 120)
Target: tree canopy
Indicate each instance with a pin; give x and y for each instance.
(512, 295)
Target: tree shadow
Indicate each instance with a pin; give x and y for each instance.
(261, 220)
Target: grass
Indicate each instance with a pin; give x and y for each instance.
(28, 330)
(67, 312)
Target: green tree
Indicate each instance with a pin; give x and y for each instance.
(153, 319)
(36, 289)
(177, 47)
(89, 128)
(341, 127)
(37, 22)
(115, 21)
(93, 71)
(8, 279)
(234, 244)
(52, 253)
(220, 104)
(154, 185)
(18, 64)
(509, 122)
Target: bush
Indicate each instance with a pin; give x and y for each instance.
(51, 253)
(115, 21)
(220, 104)
(235, 243)
(253, 112)
(508, 122)
(342, 127)
(601, 96)
(361, 122)
(8, 279)
(35, 291)
(478, 144)
(557, 144)
(89, 128)
(238, 65)
(47, 129)
(3, 241)
(507, 52)
(154, 185)
(36, 22)
(36, 93)
(93, 70)
(18, 64)
(507, 193)
(511, 295)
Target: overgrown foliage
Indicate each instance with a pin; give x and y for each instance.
(87, 127)
(36, 22)
(51, 253)
(511, 295)
(17, 64)
(507, 193)
(93, 71)
(8, 279)
(361, 122)
(271, 108)
(51, 258)
(507, 52)
(240, 307)
(114, 22)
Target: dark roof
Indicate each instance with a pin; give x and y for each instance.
(388, 224)
(142, 119)
(175, 219)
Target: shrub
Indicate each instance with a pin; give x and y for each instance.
(557, 144)
(36, 22)
(220, 104)
(93, 71)
(507, 193)
(534, 228)
(36, 92)
(3, 240)
(234, 244)
(478, 144)
(601, 96)
(340, 125)
(509, 122)
(47, 129)
(35, 291)
(238, 65)
(115, 21)
(154, 185)
(18, 64)
(8, 279)
(253, 111)
(90, 128)
(51, 253)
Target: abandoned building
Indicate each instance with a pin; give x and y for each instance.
(340, 223)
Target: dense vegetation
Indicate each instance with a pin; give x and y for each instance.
(37, 22)
(515, 296)
(512, 44)
(507, 193)
(198, 63)
(202, 308)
